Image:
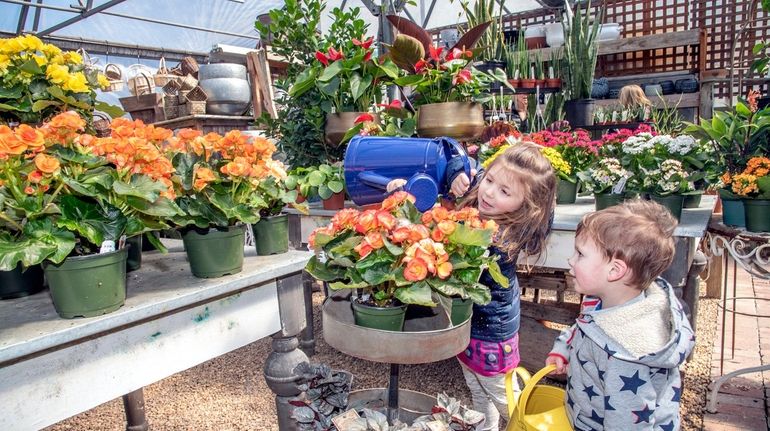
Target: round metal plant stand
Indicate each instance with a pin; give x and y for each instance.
(428, 336)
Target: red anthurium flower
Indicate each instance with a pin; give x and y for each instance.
(368, 56)
(456, 53)
(420, 66)
(363, 118)
(462, 77)
(335, 55)
(365, 44)
(320, 56)
(435, 53)
(396, 104)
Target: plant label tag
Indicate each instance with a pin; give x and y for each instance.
(620, 186)
(344, 420)
(436, 426)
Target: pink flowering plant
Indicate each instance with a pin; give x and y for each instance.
(574, 146)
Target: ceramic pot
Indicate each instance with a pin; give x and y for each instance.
(459, 120)
(227, 88)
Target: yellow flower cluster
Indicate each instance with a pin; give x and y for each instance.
(63, 69)
(491, 158)
(557, 161)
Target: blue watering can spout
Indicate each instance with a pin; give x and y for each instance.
(371, 162)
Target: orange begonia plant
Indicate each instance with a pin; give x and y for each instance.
(395, 252)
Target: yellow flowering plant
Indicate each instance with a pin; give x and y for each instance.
(39, 80)
(559, 165)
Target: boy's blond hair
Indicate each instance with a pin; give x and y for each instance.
(637, 232)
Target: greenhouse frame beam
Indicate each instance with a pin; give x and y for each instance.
(176, 24)
(117, 49)
(83, 15)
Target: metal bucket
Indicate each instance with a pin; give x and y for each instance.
(227, 88)
(371, 162)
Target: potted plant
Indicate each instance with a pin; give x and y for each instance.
(325, 181)
(271, 232)
(579, 63)
(492, 52)
(324, 395)
(72, 203)
(395, 120)
(753, 186)
(40, 80)
(218, 182)
(573, 151)
(512, 68)
(399, 256)
(606, 179)
(446, 89)
(349, 79)
(736, 136)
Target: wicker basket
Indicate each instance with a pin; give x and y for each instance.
(196, 95)
(163, 76)
(172, 88)
(114, 76)
(188, 82)
(102, 124)
(194, 107)
(172, 111)
(189, 66)
(169, 100)
(140, 84)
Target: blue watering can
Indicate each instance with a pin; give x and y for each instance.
(371, 162)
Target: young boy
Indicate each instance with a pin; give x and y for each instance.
(631, 336)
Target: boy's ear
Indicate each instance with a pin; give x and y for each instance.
(618, 270)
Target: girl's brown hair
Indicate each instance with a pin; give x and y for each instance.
(526, 228)
(633, 96)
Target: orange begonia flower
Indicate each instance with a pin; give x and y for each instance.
(386, 220)
(444, 270)
(400, 235)
(447, 226)
(418, 232)
(188, 134)
(416, 270)
(396, 199)
(31, 137)
(35, 177)
(9, 143)
(29, 190)
(437, 235)
(239, 167)
(374, 239)
(363, 249)
(367, 221)
(345, 219)
(46, 164)
(203, 176)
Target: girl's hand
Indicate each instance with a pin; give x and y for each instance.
(461, 184)
(561, 366)
(395, 184)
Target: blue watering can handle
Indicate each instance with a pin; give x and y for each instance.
(460, 152)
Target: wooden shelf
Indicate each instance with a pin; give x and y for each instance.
(688, 100)
(631, 44)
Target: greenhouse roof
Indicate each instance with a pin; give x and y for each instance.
(192, 25)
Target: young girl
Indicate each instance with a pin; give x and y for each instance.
(518, 191)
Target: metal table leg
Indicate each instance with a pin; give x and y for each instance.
(133, 404)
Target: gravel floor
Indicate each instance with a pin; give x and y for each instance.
(229, 392)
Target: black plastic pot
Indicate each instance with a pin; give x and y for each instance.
(489, 66)
(18, 283)
(579, 112)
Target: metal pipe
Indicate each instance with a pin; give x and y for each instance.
(83, 15)
(393, 394)
(36, 21)
(23, 17)
(174, 24)
(43, 6)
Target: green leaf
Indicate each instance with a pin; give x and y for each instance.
(479, 294)
(162, 207)
(497, 275)
(337, 285)
(742, 109)
(359, 86)
(4, 107)
(330, 72)
(140, 186)
(42, 241)
(30, 66)
(324, 192)
(90, 220)
(42, 104)
(330, 88)
(449, 287)
(469, 236)
(305, 81)
(11, 92)
(322, 271)
(184, 163)
(316, 178)
(418, 293)
(111, 110)
(392, 248)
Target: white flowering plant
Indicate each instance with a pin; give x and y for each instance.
(606, 176)
(668, 178)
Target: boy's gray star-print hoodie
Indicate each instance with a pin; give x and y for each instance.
(623, 371)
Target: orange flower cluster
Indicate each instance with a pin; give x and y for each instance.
(746, 183)
(758, 166)
(133, 148)
(425, 246)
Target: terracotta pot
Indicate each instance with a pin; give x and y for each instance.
(514, 82)
(336, 202)
(540, 83)
(527, 83)
(337, 125)
(553, 83)
(459, 120)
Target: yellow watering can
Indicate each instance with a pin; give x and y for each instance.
(539, 407)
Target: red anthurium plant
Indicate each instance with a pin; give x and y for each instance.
(348, 76)
(397, 253)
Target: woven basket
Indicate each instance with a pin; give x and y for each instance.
(194, 107)
(172, 88)
(171, 111)
(196, 95)
(169, 100)
(163, 76)
(102, 124)
(189, 66)
(140, 84)
(188, 82)
(114, 76)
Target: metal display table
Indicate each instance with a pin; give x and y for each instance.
(52, 368)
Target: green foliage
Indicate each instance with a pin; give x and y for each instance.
(299, 126)
(492, 42)
(324, 396)
(580, 51)
(323, 180)
(667, 119)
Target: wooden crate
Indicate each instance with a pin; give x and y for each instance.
(147, 107)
